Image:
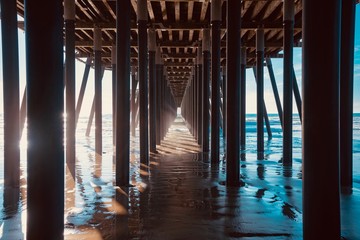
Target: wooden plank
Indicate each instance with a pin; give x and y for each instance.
(163, 10)
(109, 9)
(177, 11)
(84, 10)
(204, 8)
(190, 10)
(134, 5)
(98, 12)
(181, 35)
(151, 11)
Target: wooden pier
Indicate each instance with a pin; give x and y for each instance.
(190, 55)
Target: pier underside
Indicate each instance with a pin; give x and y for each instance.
(171, 149)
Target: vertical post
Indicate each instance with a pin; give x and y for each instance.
(266, 117)
(152, 89)
(142, 17)
(215, 79)
(260, 91)
(114, 85)
(133, 97)
(206, 89)
(200, 95)
(22, 113)
(191, 102)
(346, 94)
(98, 92)
(288, 43)
(275, 90)
(195, 102)
(243, 102)
(91, 117)
(321, 37)
(82, 88)
(10, 54)
(45, 108)
(233, 93)
(224, 103)
(162, 106)
(159, 74)
(69, 17)
(123, 11)
(297, 95)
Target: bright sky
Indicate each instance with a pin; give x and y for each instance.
(251, 87)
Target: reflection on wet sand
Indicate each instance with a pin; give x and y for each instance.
(179, 195)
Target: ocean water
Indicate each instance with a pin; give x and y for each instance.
(92, 172)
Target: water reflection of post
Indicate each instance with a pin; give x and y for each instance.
(261, 171)
(122, 217)
(11, 201)
(13, 218)
(69, 187)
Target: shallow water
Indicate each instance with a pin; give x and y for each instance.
(181, 195)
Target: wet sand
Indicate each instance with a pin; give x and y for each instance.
(182, 196)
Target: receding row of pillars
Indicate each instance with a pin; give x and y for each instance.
(44, 105)
(327, 104)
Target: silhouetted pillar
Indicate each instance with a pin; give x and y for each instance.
(260, 91)
(69, 17)
(200, 95)
(215, 79)
(159, 74)
(23, 113)
(233, 46)
(346, 94)
(113, 87)
(191, 101)
(98, 91)
(195, 102)
(92, 111)
(243, 102)
(91, 118)
(10, 54)
(321, 72)
(288, 21)
(224, 93)
(45, 109)
(162, 106)
(83, 87)
(142, 16)
(123, 13)
(133, 97)
(152, 89)
(206, 89)
(266, 117)
(275, 89)
(297, 95)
